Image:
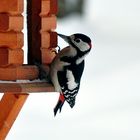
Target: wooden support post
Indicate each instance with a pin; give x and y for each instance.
(41, 22)
(34, 26)
(10, 106)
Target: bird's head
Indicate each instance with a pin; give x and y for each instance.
(78, 41)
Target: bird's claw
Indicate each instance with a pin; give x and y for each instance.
(59, 49)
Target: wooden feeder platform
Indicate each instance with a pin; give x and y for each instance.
(29, 87)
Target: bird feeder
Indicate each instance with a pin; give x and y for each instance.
(16, 78)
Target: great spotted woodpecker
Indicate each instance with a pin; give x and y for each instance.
(67, 67)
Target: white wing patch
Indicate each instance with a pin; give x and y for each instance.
(71, 80)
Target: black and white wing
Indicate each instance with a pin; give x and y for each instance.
(69, 79)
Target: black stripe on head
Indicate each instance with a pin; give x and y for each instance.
(82, 37)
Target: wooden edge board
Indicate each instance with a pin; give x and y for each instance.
(26, 87)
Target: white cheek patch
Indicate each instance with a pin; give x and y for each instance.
(71, 80)
(82, 46)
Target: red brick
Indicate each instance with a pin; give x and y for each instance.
(8, 22)
(16, 23)
(48, 23)
(15, 56)
(9, 56)
(11, 39)
(49, 7)
(54, 7)
(11, 6)
(47, 55)
(3, 56)
(48, 39)
(4, 21)
(45, 7)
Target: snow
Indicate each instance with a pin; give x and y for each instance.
(108, 104)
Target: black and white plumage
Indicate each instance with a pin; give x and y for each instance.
(67, 68)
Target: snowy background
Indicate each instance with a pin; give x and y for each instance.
(108, 104)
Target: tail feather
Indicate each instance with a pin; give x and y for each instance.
(58, 107)
(59, 104)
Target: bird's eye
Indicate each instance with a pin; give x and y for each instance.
(77, 40)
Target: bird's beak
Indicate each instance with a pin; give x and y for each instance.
(66, 38)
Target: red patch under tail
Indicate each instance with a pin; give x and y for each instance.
(59, 104)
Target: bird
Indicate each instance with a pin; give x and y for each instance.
(67, 68)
